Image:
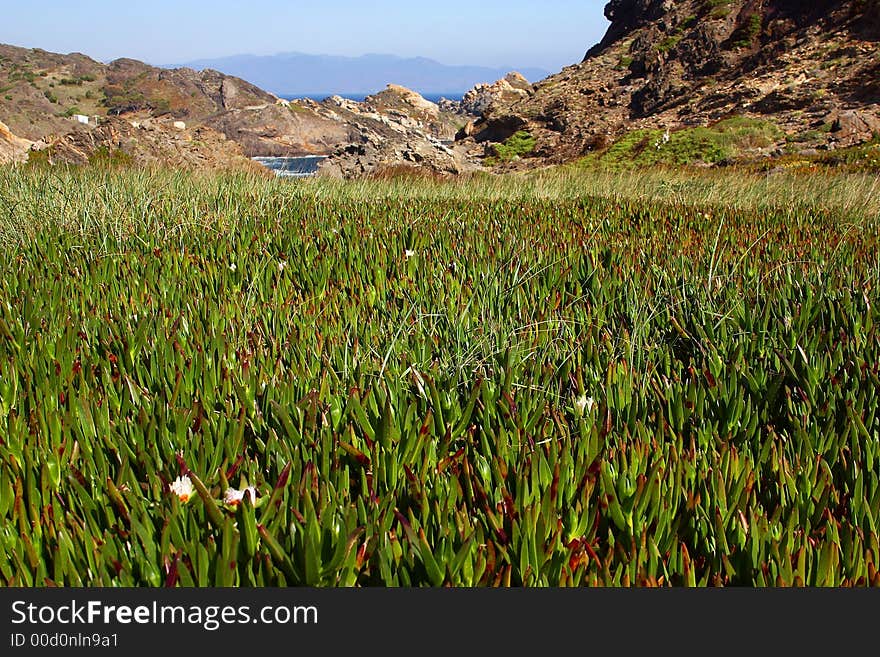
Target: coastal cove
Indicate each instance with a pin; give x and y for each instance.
(292, 167)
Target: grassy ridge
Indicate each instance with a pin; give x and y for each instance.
(527, 382)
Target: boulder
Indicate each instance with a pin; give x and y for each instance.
(853, 126)
(408, 98)
(372, 153)
(483, 99)
(12, 148)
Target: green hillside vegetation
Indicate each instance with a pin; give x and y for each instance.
(711, 145)
(519, 144)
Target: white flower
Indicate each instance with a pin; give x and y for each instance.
(234, 496)
(409, 253)
(183, 488)
(232, 267)
(282, 265)
(584, 402)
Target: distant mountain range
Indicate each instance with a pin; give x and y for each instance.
(298, 74)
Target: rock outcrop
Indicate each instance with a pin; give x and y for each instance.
(483, 98)
(282, 129)
(152, 142)
(396, 127)
(812, 69)
(12, 148)
(850, 127)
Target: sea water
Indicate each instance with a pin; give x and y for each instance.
(292, 167)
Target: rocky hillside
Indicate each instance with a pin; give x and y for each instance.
(34, 83)
(690, 81)
(41, 94)
(152, 142)
(484, 98)
(804, 76)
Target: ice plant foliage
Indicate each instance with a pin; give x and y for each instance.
(563, 388)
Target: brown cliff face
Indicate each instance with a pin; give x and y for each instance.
(664, 64)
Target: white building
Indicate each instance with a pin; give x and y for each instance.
(93, 120)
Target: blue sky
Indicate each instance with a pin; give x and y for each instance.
(512, 33)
